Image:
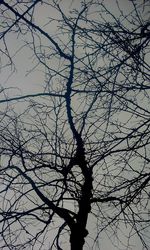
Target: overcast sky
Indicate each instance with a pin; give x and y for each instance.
(23, 83)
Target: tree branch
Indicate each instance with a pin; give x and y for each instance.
(28, 96)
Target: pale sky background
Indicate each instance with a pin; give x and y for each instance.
(34, 82)
(23, 83)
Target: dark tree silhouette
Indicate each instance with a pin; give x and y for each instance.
(75, 156)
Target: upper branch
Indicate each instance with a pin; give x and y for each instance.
(28, 96)
(34, 26)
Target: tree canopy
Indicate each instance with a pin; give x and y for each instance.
(75, 124)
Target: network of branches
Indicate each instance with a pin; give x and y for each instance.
(74, 149)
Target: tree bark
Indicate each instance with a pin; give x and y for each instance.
(77, 237)
(79, 231)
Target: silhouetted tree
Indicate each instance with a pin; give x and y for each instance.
(75, 156)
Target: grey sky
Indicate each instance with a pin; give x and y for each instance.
(23, 82)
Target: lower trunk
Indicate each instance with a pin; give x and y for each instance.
(77, 238)
(77, 244)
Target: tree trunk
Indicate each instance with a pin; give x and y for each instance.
(77, 237)
(78, 231)
(77, 244)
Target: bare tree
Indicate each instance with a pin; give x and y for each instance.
(78, 151)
